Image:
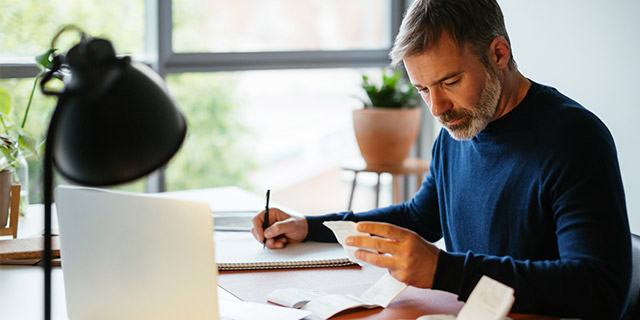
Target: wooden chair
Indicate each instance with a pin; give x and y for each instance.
(14, 213)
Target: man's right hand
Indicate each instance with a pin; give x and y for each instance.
(283, 228)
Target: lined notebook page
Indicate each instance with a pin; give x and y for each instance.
(240, 251)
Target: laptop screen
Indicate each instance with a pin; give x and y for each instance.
(136, 256)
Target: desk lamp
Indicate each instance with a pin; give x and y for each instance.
(114, 122)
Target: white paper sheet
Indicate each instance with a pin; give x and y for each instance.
(240, 310)
(383, 291)
(327, 306)
(294, 297)
(232, 308)
(323, 305)
(342, 230)
(489, 300)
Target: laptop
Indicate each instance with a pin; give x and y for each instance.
(136, 256)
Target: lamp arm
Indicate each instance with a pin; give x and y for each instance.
(47, 164)
(56, 64)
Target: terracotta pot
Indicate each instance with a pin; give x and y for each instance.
(5, 196)
(385, 136)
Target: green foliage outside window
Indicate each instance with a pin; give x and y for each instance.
(215, 152)
(27, 26)
(211, 155)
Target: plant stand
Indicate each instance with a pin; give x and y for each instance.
(14, 212)
(410, 166)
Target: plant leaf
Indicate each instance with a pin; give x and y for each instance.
(4, 164)
(43, 61)
(5, 101)
(6, 153)
(27, 142)
(394, 92)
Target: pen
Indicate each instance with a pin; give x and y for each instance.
(265, 223)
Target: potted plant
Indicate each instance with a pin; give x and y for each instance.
(16, 144)
(389, 123)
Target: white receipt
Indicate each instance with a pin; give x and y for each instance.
(324, 306)
(489, 300)
(384, 291)
(342, 230)
(327, 306)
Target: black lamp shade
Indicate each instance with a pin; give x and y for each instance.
(115, 124)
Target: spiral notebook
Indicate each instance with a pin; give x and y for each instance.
(240, 251)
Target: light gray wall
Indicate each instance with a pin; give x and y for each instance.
(589, 50)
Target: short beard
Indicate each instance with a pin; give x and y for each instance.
(479, 116)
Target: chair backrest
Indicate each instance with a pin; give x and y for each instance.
(634, 297)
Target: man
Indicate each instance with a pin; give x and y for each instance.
(524, 183)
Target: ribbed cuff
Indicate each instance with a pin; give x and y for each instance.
(318, 231)
(448, 275)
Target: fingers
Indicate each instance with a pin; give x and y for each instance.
(380, 260)
(374, 243)
(279, 228)
(386, 237)
(276, 243)
(258, 220)
(408, 257)
(384, 230)
(256, 229)
(283, 228)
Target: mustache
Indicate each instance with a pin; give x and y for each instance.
(454, 115)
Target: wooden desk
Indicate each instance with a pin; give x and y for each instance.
(21, 292)
(411, 166)
(255, 285)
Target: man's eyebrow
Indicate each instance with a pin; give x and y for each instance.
(446, 77)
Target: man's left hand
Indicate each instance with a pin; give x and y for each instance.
(408, 257)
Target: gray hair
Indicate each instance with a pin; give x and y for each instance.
(469, 22)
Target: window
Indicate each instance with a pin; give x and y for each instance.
(261, 130)
(267, 86)
(280, 25)
(27, 26)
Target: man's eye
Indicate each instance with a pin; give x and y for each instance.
(423, 90)
(452, 82)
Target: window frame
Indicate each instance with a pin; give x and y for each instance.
(159, 54)
(169, 61)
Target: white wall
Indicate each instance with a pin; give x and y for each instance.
(590, 51)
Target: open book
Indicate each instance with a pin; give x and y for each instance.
(240, 251)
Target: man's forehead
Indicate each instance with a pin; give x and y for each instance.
(439, 62)
(427, 69)
(446, 43)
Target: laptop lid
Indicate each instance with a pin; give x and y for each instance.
(136, 256)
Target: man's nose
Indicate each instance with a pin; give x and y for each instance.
(439, 103)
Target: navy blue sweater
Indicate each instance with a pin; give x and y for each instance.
(535, 201)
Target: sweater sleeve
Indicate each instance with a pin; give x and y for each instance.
(582, 187)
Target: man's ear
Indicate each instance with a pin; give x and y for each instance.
(499, 53)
